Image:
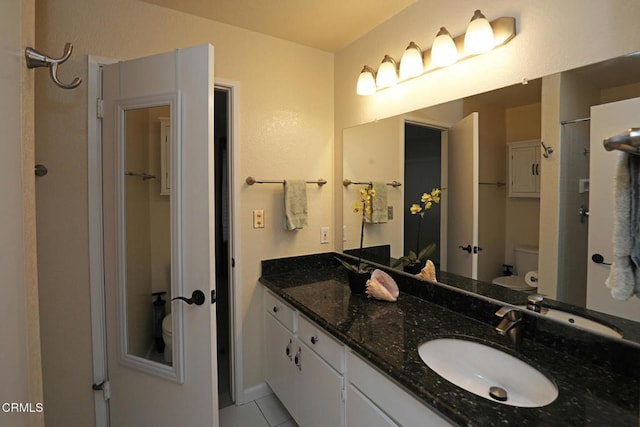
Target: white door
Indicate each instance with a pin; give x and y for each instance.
(142, 257)
(606, 120)
(462, 192)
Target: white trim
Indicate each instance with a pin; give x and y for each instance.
(237, 378)
(96, 267)
(256, 392)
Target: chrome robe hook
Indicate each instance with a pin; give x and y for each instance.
(36, 59)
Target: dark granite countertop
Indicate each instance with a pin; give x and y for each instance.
(592, 388)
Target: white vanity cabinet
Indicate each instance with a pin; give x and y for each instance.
(303, 366)
(374, 400)
(524, 168)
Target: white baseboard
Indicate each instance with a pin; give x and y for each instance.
(254, 393)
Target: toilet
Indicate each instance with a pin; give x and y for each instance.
(167, 326)
(526, 260)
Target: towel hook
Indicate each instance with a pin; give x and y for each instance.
(36, 59)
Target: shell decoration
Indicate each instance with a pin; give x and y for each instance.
(381, 286)
(428, 271)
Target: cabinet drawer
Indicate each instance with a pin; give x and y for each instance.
(281, 311)
(399, 405)
(321, 343)
(361, 412)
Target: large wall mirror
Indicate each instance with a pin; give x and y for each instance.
(148, 267)
(486, 153)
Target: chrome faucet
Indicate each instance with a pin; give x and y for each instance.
(511, 316)
(534, 303)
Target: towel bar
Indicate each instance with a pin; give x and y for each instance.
(251, 180)
(628, 141)
(348, 182)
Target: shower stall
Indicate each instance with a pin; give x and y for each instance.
(574, 211)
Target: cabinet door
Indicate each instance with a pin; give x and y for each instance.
(280, 371)
(524, 170)
(361, 412)
(320, 399)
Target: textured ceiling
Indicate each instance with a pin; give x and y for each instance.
(328, 25)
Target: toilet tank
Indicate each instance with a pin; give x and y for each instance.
(526, 260)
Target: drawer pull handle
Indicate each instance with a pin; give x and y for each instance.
(297, 360)
(275, 309)
(314, 340)
(288, 350)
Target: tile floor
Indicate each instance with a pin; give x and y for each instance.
(264, 412)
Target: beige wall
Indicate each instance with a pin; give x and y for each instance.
(286, 130)
(374, 153)
(523, 213)
(138, 232)
(21, 370)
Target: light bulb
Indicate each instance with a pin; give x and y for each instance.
(411, 64)
(443, 51)
(387, 73)
(479, 35)
(366, 81)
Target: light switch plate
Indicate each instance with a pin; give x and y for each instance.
(324, 235)
(258, 218)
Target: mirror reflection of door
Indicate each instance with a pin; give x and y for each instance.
(148, 234)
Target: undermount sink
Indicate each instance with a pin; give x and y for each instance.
(578, 321)
(488, 372)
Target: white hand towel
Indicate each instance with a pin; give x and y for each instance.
(379, 205)
(621, 278)
(295, 204)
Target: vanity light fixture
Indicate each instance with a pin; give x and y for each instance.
(479, 36)
(443, 51)
(387, 73)
(366, 81)
(411, 64)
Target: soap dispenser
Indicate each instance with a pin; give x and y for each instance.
(158, 316)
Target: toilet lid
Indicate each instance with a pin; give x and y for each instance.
(513, 282)
(167, 324)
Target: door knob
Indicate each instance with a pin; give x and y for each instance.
(599, 259)
(466, 248)
(197, 298)
(476, 249)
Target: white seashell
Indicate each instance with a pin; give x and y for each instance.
(428, 271)
(382, 286)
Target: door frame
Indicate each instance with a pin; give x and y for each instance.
(95, 219)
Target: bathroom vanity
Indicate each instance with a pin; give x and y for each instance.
(340, 359)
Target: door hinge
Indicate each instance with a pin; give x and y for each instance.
(104, 387)
(343, 391)
(100, 108)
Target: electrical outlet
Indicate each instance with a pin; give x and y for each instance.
(258, 218)
(390, 212)
(324, 235)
